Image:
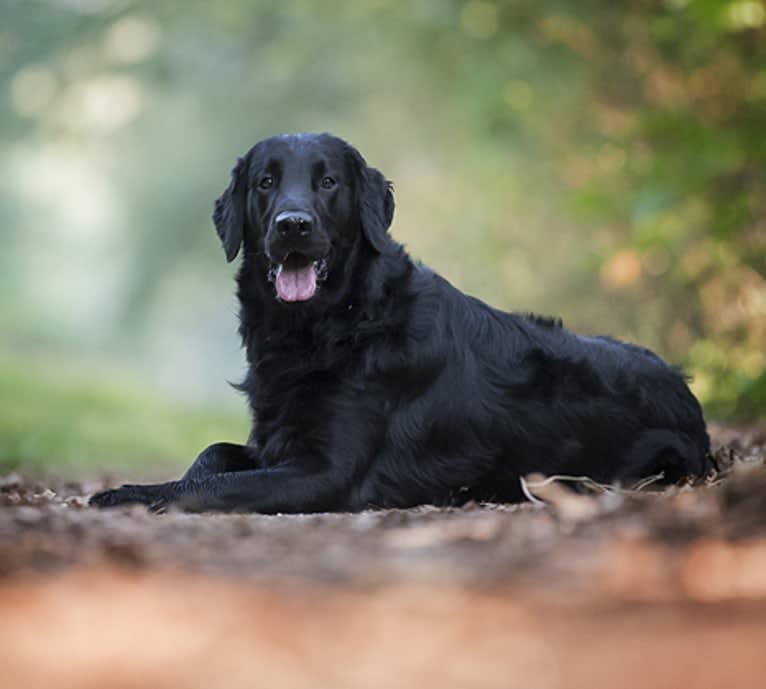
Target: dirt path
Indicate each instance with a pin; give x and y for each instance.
(663, 589)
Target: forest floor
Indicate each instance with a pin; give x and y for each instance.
(599, 588)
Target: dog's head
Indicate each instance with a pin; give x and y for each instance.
(298, 203)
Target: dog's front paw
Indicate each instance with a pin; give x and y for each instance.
(153, 496)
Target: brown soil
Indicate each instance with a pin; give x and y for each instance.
(592, 589)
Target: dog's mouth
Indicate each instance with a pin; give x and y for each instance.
(298, 276)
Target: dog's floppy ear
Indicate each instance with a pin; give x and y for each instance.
(376, 202)
(376, 208)
(229, 213)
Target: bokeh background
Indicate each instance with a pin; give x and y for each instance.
(603, 161)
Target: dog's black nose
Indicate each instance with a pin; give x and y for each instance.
(293, 222)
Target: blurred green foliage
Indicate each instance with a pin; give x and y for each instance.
(650, 118)
(76, 421)
(601, 161)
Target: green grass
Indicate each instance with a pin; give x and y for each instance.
(79, 419)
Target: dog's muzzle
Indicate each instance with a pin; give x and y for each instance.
(298, 262)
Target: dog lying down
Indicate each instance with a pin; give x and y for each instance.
(375, 383)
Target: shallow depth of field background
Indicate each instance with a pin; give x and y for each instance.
(601, 161)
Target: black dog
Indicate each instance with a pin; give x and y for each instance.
(373, 382)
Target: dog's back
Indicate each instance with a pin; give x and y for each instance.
(537, 397)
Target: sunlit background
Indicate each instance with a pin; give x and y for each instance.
(602, 161)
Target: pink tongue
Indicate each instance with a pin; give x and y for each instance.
(296, 284)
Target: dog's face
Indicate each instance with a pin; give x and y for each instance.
(298, 203)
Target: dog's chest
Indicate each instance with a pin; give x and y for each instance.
(316, 406)
(291, 387)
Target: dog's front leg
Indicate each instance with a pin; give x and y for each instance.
(286, 488)
(220, 458)
(155, 496)
(295, 487)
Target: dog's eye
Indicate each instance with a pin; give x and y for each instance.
(266, 182)
(327, 182)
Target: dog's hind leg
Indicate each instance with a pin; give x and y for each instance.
(673, 453)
